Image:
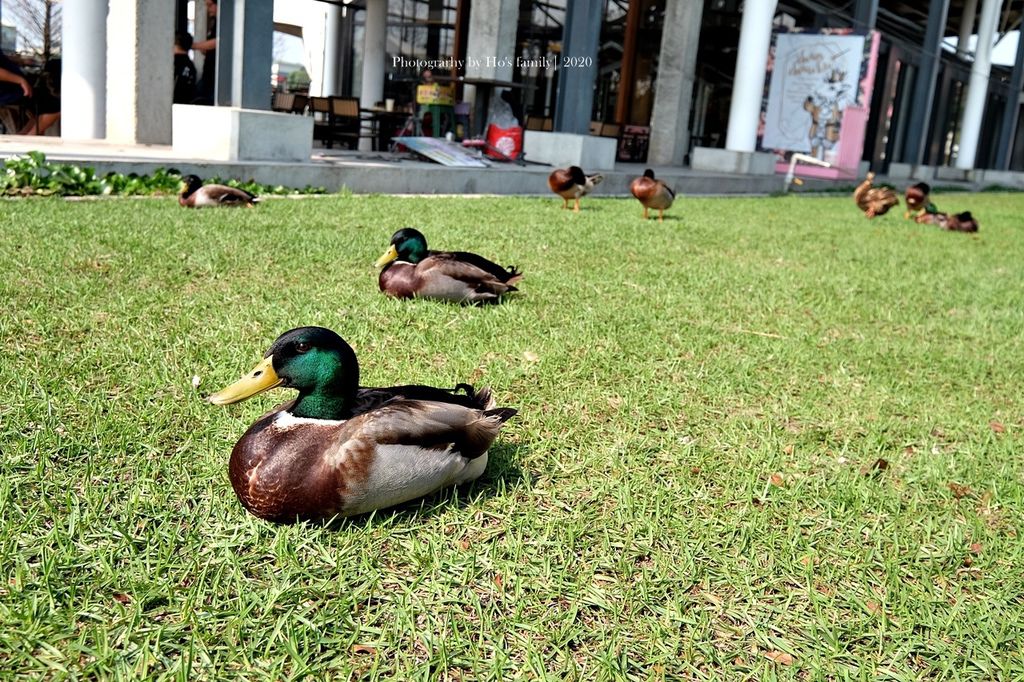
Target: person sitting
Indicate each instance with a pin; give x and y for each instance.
(41, 106)
(184, 70)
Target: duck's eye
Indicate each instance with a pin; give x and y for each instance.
(301, 347)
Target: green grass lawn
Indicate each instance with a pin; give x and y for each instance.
(692, 487)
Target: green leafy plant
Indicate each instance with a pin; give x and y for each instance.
(32, 174)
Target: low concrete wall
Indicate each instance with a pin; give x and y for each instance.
(234, 134)
(567, 149)
(728, 161)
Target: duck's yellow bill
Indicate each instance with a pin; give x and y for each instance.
(389, 255)
(261, 378)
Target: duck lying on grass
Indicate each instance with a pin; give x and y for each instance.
(338, 449)
(954, 222)
(410, 269)
(652, 193)
(194, 194)
(572, 183)
(874, 201)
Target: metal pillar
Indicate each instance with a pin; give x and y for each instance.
(245, 46)
(924, 84)
(1011, 113)
(966, 27)
(83, 78)
(575, 100)
(865, 14)
(748, 85)
(977, 87)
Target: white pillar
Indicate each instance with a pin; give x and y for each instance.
(140, 71)
(966, 26)
(83, 79)
(977, 88)
(332, 51)
(748, 85)
(374, 55)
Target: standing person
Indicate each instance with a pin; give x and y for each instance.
(184, 70)
(209, 48)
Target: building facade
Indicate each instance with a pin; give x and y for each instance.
(661, 77)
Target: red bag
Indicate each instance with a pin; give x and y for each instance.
(508, 141)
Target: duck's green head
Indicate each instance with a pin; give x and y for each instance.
(408, 244)
(315, 361)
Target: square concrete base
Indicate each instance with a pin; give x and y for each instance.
(567, 149)
(1002, 178)
(235, 134)
(728, 161)
(956, 174)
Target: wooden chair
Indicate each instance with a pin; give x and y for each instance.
(345, 121)
(320, 110)
(283, 101)
(299, 103)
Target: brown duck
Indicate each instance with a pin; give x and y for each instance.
(338, 449)
(652, 193)
(874, 200)
(411, 270)
(572, 183)
(954, 222)
(194, 194)
(917, 198)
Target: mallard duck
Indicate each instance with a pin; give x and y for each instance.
(339, 450)
(572, 183)
(874, 200)
(412, 270)
(957, 222)
(917, 200)
(195, 194)
(652, 193)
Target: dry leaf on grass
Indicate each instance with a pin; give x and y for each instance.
(959, 491)
(780, 657)
(874, 607)
(788, 450)
(122, 597)
(364, 649)
(997, 427)
(777, 480)
(530, 356)
(874, 469)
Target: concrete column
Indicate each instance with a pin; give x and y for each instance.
(977, 87)
(374, 56)
(332, 51)
(673, 96)
(83, 79)
(924, 84)
(1011, 112)
(865, 15)
(966, 27)
(748, 85)
(574, 103)
(492, 32)
(245, 47)
(140, 68)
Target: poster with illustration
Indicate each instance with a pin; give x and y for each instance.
(814, 78)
